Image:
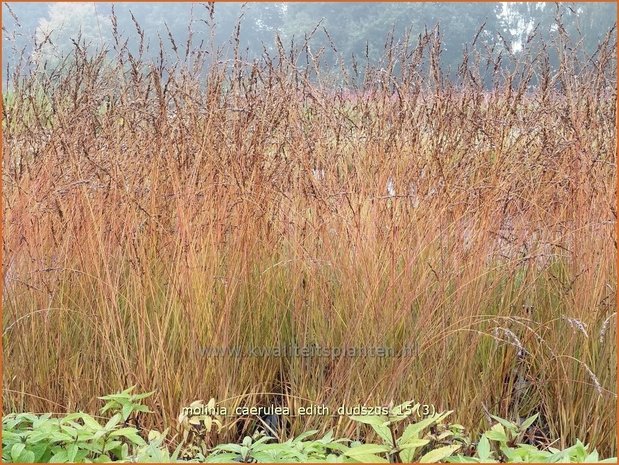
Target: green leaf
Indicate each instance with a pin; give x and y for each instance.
(511, 454)
(463, 459)
(483, 448)
(143, 396)
(378, 424)
(16, 451)
(366, 453)
(141, 408)
(439, 454)
(506, 423)
(38, 452)
(384, 432)
(112, 422)
(221, 458)
(123, 431)
(407, 455)
(414, 443)
(528, 422)
(60, 457)
(111, 445)
(61, 437)
(72, 452)
(497, 433)
(408, 450)
(81, 455)
(371, 419)
(229, 448)
(27, 456)
(130, 434)
(126, 411)
(413, 430)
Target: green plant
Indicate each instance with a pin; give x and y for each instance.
(79, 437)
(157, 451)
(406, 447)
(259, 448)
(427, 441)
(502, 443)
(126, 404)
(76, 437)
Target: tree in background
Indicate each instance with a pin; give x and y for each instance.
(344, 29)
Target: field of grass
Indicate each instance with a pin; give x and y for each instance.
(158, 215)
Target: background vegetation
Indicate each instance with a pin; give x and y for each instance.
(352, 27)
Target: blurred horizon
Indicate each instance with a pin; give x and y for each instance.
(334, 31)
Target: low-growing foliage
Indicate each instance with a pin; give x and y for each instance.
(76, 437)
(79, 437)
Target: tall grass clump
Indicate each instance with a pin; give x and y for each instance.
(158, 213)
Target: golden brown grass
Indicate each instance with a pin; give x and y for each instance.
(254, 206)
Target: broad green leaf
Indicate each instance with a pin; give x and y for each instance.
(367, 453)
(463, 459)
(26, 456)
(413, 443)
(304, 435)
(126, 411)
(72, 452)
(439, 454)
(60, 457)
(413, 430)
(222, 458)
(384, 432)
(483, 448)
(378, 424)
(528, 422)
(506, 423)
(371, 419)
(133, 436)
(16, 451)
(112, 422)
(61, 437)
(123, 431)
(511, 454)
(39, 451)
(229, 448)
(407, 455)
(497, 433)
(369, 458)
(111, 445)
(408, 450)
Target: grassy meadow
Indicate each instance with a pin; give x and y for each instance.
(159, 214)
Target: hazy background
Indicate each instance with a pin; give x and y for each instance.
(345, 29)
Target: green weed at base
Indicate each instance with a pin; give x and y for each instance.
(80, 437)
